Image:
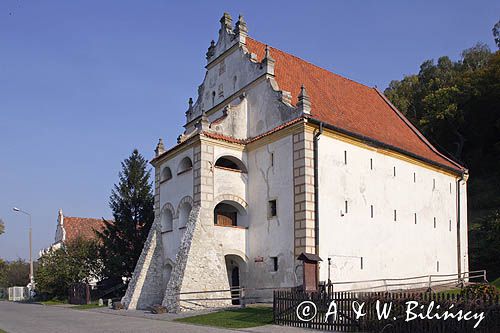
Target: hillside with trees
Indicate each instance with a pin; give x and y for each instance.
(456, 104)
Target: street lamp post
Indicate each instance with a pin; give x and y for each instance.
(32, 281)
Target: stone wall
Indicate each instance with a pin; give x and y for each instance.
(145, 287)
(199, 267)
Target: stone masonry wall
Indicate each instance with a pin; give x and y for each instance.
(145, 287)
(303, 181)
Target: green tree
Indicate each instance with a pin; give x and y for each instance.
(485, 242)
(75, 261)
(14, 273)
(2, 227)
(131, 201)
(456, 104)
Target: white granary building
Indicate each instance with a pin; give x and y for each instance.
(279, 158)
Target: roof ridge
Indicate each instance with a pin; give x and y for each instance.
(312, 64)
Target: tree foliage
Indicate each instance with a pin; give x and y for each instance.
(457, 105)
(75, 261)
(131, 201)
(2, 227)
(14, 273)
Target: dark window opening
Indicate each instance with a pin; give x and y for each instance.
(275, 263)
(272, 208)
(415, 218)
(345, 156)
(394, 171)
(395, 215)
(225, 215)
(231, 163)
(185, 165)
(371, 211)
(346, 206)
(434, 223)
(371, 163)
(361, 262)
(414, 177)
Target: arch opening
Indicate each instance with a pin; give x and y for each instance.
(236, 274)
(167, 220)
(231, 163)
(184, 211)
(229, 214)
(185, 165)
(166, 174)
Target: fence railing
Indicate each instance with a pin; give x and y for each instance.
(315, 311)
(424, 281)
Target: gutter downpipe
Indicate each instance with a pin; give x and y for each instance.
(459, 245)
(316, 187)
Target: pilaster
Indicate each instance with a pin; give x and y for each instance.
(303, 183)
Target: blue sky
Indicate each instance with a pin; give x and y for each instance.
(82, 83)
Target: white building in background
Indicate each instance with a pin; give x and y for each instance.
(280, 157)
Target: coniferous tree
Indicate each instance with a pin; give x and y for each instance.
(131, 201)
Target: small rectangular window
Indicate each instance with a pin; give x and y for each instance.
(394, 171)
(371, 211)
(450, 225)
(272, 159)
(414, 177)
(434, 223)
(346, 207)
(450, 188)
(437, 265)
(345, 156)
(361, 262)
(272, 211)
(433, 184)
(415, 215)
(395, 215)
(371, 163)
(275, 263)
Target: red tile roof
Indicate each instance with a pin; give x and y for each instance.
(81, 226)
(349, 105)
(231, 139)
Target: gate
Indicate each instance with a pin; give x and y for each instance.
(79, 293)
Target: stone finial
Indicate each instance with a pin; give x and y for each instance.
(241, 27)
(189, 111)
(304, 102)
(211, 50)
(226, 22)
(268, 61)
(160, 147)
(203, 124)
(60, 219)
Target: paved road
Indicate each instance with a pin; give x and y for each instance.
(28, 318)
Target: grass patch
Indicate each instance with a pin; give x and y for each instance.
(2, 331)
(86, 306)
(54, 302)
(237, 318)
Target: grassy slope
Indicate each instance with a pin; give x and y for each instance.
(237, 318)
(496, 283)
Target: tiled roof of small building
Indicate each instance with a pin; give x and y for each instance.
(81, 226)
(349, 105)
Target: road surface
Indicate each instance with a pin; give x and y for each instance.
(35, 318)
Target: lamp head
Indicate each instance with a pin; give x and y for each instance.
(15, 209)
